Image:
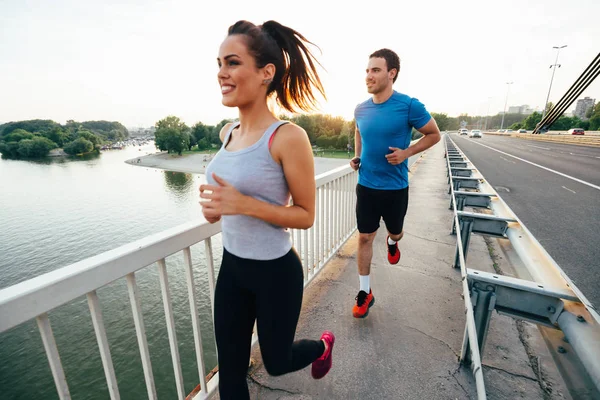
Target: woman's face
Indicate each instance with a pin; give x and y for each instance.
(240, 80)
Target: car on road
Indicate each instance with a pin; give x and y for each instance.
(576, 131)
(463, 131)
(475, 133)
(522, 130)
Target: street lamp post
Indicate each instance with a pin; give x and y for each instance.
(553, 66)
(505, 103)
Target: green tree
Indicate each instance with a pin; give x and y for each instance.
(516, 126)
(325, 130)
(201, 131)
(565, 123)
(589, 112)
(172, 140)
(309, 125)
(115, 135)
(17, 135)
(57, 135)
(322, 142)
(71, 127)
(327, 142)
(200, 135)
(348, 129)
(172, 135)
(105, 128)
(204, 144)
(33, 125)
(442, 120)
(453, 124)
(531, 121)
(89, 136)
(35, 148)
(172, 122)
(79, 146)
(595, 118)
(9, 149)
(191, 142)
(341, 142)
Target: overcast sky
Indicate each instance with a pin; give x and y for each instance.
(137, 61)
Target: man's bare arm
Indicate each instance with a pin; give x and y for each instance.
(431, 134)
(357, 142)
(355, 162)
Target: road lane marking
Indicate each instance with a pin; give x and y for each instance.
(541, 166)
(572, 191)
(582, 155)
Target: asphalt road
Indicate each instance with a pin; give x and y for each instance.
(561, 211)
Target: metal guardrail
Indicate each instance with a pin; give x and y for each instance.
(334, 224)
(545, 297)
(470, 348)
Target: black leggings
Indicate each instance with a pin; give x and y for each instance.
(270, 292)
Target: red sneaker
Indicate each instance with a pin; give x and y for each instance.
(364, 301)
(393, 252)
(322, 365)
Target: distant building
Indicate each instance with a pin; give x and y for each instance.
(582, 107)
(524, 109)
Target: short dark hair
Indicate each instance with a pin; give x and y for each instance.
(391, 59)
(295, 72)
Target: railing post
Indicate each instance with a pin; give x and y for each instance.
(98, 322)
(170, 319)
(483, 308)
(53, 357)
(466, 226)
(189, 275)
(140, 329)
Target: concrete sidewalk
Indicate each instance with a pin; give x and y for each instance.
(408, 346)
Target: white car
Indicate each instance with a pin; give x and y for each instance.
(463, 131)
(475, 133)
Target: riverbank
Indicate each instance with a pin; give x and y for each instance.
(196, 163)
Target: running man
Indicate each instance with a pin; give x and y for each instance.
(382, 137)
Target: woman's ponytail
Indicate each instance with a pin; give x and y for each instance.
(296, 77)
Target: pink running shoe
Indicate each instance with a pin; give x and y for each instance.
(322, 365)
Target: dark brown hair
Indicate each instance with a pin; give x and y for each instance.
(295, 73)
(391, 59)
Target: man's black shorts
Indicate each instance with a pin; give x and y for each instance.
(374, 204)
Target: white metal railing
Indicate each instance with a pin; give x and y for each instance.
(34, 298)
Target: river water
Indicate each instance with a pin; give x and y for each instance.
(56, 212)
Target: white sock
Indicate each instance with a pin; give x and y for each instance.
(391, 241)
(364, 283)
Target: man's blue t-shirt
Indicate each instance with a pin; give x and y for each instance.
(385, 125)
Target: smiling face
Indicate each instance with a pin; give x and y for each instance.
(240, 80)
(378, 77)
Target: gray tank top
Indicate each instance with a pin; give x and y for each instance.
(253, 172)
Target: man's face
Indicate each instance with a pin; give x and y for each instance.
(378, 77)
